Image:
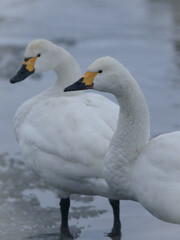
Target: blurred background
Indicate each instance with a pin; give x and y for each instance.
(142, 34)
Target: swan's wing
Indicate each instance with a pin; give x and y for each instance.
(74, 132)
(163, 155)
(157, 177)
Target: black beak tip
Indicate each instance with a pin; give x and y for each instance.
(16, 79)
(22, 74)
(79, 85)
(12, 80)
(67, 89)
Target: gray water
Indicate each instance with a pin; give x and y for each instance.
(142, 34)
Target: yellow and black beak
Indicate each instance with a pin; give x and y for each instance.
(86, 82)
(26, 70)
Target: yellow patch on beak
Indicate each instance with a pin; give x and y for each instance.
(30, 64)
(88, 78)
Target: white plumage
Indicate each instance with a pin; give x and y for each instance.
(136, 168)
(64, 137)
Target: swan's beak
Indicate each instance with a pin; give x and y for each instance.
(86, 82)
(26, 70)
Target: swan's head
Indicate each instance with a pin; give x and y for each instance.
(40, 56)
(105, 74)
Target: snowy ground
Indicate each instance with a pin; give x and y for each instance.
(144, 36)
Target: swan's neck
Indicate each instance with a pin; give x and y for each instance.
(67, 71)
(133, 128)
(131, 135)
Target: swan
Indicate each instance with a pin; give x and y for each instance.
(56, 132)
(136, 168)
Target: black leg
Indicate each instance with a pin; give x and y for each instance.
(116, 230)
(64, 229)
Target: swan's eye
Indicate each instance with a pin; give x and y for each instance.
(39, 55)
(100, 71)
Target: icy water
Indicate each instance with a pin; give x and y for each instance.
(145, 36)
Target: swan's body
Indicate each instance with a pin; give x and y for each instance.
(136, 169)
(56, 144)
(64, 137)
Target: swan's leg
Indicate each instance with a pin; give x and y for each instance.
(64, 229)
(116, 230)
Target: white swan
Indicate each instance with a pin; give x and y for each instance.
(136, 169)
(64, 137)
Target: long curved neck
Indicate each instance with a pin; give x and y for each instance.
(131, 135)
(133, 127)
(67, 71)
